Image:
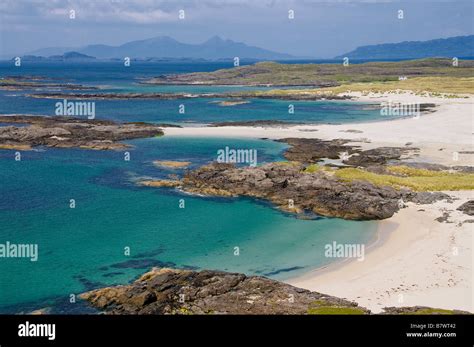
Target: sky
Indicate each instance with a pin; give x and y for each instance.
(320, 29)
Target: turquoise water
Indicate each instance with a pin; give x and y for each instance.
(83, 248)
(201, 110)
(113, 77)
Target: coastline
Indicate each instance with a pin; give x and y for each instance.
(416, 260)
(437, 134)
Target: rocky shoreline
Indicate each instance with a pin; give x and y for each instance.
(301, 187)
(293, 188)
(174, 96)
(14, 83)
(184, 292)
(66, 132)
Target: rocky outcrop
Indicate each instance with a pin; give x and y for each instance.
(315, 150)
(378, 156)
(170, 291)
(467, 208)
(294, 188)
(68, 132)
(37, 82)
(184, 292)
(288, 186)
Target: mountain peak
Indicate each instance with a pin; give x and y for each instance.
(216, 40)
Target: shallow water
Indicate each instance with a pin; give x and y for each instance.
(83, 247)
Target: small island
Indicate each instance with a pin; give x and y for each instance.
(68, 132)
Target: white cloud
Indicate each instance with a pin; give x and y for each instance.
(106, 11)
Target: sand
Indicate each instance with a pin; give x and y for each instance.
(438, 134)
(416, 260)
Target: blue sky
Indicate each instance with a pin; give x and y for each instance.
(320, 29)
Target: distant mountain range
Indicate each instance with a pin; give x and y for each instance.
(459, 46)
(166, 47)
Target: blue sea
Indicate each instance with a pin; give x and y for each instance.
(84, 247)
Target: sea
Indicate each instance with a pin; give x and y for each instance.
(94, 226)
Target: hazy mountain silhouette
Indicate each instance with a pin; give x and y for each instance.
(167, 47)
(459, 46)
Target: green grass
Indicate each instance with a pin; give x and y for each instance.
(324, 307)
(316, 168)
(335, 310)
(435, 86)
(287, 163)
(415, 179)
(446, 87)
(431, 311)
(271, 73)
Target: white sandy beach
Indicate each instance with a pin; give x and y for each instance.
(437, 134)
(417, 260)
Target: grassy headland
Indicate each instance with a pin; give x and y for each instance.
(322, 75)
(415, 179)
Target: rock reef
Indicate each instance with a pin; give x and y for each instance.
(314, 150)
(293, 188)
(173, 96)
(38, 82)
(467, 208)
(170, 291)
(66, 132)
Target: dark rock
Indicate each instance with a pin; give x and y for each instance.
(467, 208)
(444, 218)
(424, 198)
(169, 291)
(378, 156)
(313, 150)
(281, 182)
(465, 169)
(66, 132)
